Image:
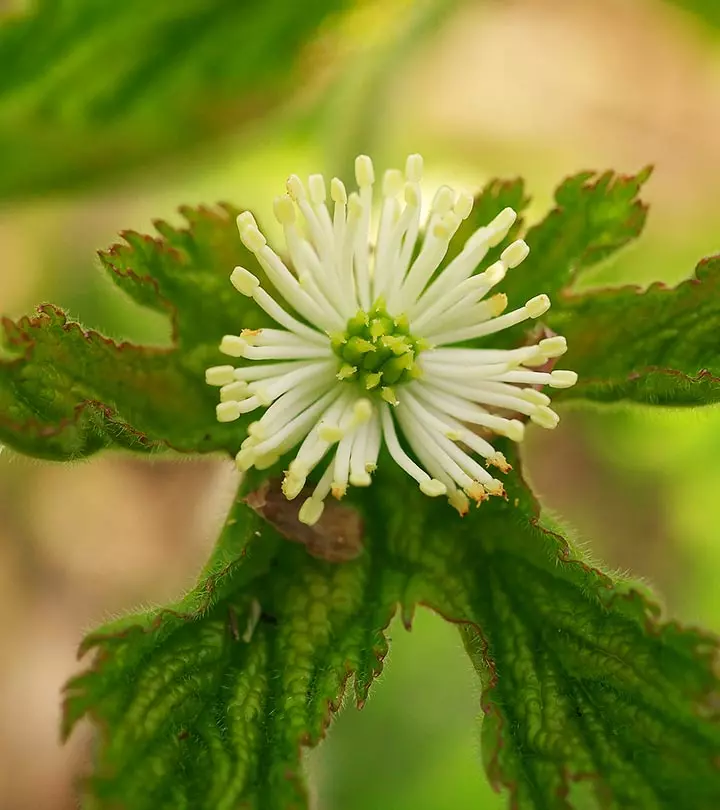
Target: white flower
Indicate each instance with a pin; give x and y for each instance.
(371, 349)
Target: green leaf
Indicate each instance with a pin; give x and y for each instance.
(200, 711)
(595, 215)
(657, 346)
(581, 680)
(88, 91)
(66, 392)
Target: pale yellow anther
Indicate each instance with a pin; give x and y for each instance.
(364, 171)
(330, 433)
(494, 487)
(537, 306)
(227, 411)
(245, 459)
(362, 411)
(233, 346)
(515, 430)
(495, 273)
(545, 417)
(442, 230)
(311, 511)
(502, 224)
(433, 488)
(393, 183)
(316, 187)
(265, 461)
(458, 500)
(284, 209)
(219, 375)
(338, 491)
(412, 195)
(234, 391)
(497, 303)
(295, 188)
(451, 221)
(354, 206)
(553, 346)
(476, 491)
(360, 479)
(515, 253)
(253, 240)
(498, 460)
(443, 201)
(256, 432)
(244, 281)
(296, 469)
(245, 220)
(338, 193)
(538, 358)
(464, 205)
(534, 397)
(292, 485)
(414, 168)
(562, 379)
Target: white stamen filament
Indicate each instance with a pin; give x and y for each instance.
(320, 399)
(490, 327)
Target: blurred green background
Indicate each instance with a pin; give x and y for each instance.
(111, 119)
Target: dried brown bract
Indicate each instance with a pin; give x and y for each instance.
(336, 537)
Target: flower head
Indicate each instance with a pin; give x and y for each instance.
(370, 355)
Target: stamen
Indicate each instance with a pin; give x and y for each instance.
(234, 391)
(365, 176)
(359, 476)
(248, 284)
(468, 411)
(359, 367)
(219, 375)
(285, 438)
(286, 284)
(311, 511)
(402, 459)
(534, 308)
(432, 253)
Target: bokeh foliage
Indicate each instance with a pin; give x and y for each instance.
(89, 90)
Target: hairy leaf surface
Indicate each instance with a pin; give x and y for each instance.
(581, 679)
(594, 216)
(658, 346)
(205, 704)
(66, 392)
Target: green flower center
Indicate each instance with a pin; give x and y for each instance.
(377, 351)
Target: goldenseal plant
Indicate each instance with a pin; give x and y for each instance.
(383, 343)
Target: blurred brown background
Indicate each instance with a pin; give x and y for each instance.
(538, 88)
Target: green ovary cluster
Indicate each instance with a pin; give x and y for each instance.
(377, 351)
